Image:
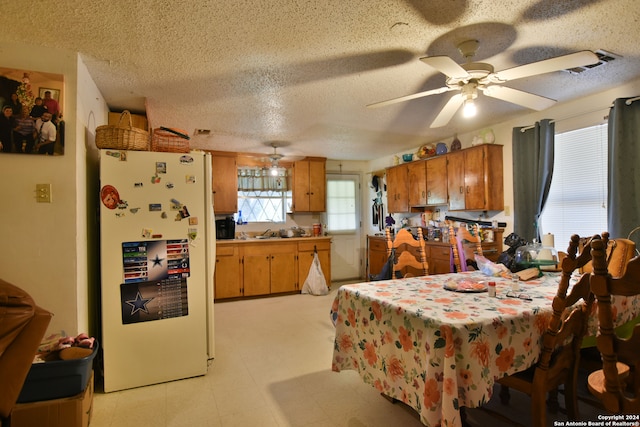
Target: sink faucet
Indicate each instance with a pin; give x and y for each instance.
(265, 233)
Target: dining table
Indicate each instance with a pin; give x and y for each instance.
(439, 342)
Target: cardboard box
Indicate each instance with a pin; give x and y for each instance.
(67, 412)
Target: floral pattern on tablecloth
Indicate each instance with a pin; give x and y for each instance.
(434, 349)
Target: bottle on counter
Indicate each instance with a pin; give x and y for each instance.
(239, 221)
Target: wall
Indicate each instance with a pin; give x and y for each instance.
(45, 246)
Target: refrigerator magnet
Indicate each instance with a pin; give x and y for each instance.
(184, 213)
(155, 179)
(155, 207)
(146, 233)
(163, 215)
(161, 167)
(186, 160)
(193, 233)
(193, 220)
(190, 179)
(169, 185)
(134, 210)
(110, 196)
(115, 154)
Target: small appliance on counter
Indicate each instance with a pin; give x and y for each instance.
(225, 228)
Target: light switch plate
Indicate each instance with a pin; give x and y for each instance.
(43, 193)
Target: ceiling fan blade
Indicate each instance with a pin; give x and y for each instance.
(446, 66)
(577, 59)
(450, 108)
(515, 96)
(408, 97)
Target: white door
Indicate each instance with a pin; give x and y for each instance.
(344, 225)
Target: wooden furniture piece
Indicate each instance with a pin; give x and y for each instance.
(398, 188)
(463, 233)
(560, 353)
(246, 268)
(224, 179)
(469, 179)
(309, 185)
(474, 178)
(409, 254)
(376, 255)
(617, 394)
(619, 252)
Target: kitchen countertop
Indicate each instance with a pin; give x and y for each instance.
(270, 240)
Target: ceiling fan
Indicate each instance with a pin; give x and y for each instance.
(275, 157)
(471, 77)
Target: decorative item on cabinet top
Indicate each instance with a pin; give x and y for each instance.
(427, 150)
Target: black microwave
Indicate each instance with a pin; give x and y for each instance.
(225, 228)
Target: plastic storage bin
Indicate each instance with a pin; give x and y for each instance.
(57, 379)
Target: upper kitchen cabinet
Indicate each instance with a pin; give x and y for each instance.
(417, 183)
(475, 180)
(309, 185)
(397, 188)
(224, 171)
(436, 187)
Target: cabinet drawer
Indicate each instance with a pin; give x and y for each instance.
(442, 253)
(226, 250)
(378, 244)
(309, 246)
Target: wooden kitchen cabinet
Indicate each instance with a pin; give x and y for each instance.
(376, 255)
(227, 276)
(397, 188)
(309, 185)
(305, 258)
(436, 182)
(417, 183)
(269, 268)
(224, 171)
(438, 257)
(475, 178)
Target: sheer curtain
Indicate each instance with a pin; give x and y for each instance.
(532, 173)
(624, 170)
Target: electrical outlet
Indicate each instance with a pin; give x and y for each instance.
(43, 193)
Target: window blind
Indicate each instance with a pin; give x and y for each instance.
(578, 194)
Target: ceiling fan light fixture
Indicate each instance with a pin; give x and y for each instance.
(469, 108)
(273, 171)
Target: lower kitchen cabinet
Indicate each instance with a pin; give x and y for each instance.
(305, 259)
(227, 276)
(268, 268)
(256, 268)
(376, 255)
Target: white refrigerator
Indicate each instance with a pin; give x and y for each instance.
(157, 261)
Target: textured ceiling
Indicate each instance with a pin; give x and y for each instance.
(302, 71)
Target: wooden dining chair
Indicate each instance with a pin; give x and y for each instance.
(560, 354)
(618, 254)
(410, 254)
(619, 395)
(456, 245)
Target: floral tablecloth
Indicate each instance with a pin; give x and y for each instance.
(437, 350)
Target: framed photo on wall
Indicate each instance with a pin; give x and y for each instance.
(55, 93)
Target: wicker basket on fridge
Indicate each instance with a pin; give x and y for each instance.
(122, 136)
(170, 140)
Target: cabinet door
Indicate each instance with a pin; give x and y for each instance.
(224, 184)
(417, 178)
(283, 272)
(317, 186)
(227, 274)
(474, 178)
(377, 255)
(305, 258)
(455, 180)
(256, 272)
(439, 259)
(436, 170)
(397, 183)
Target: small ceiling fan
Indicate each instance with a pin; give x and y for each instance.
(471, 77)
(275, 157)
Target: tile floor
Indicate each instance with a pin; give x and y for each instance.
(273, 368)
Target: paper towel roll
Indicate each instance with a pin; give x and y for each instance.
(547, 241)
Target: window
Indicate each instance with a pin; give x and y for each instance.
(342, 215)
(577, 202)
(263, 197)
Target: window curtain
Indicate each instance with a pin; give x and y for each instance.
(532, 173)
(260, 179)
(623, 210)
